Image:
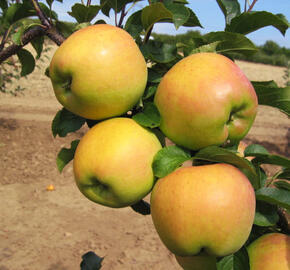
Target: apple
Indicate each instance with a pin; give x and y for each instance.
(98, 72)
(270, 252)
(113, 162)
(208, 208)
(205, 99)
(198, 262)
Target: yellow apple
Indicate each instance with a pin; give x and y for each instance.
(113, 162)
(270, 252)
(205, 99)
(98, 72)
(198, 262)
(207, 208)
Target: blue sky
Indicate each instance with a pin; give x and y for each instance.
(210, 16)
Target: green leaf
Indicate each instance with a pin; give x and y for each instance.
(211, 47)
(230, 9)
(91, 261)
(168, 159)
(274, 97)
(116, 5)
(153, 76)
(274, 196)
(282, 184)
(65, 28)
(264, 157)
(81, 26)
(3, 4)
(266, 214)
(65, 122)
(27, 62)
(249, 22)
(65, 155)
(255, 149)
(236, 261)
(18, 11)
(192, 20)
(84, 13)
(149, 92)
(154, 13)
(159, 52)
(265, 83)
(46, 10)
(37, 44)
(284, 174)
(134, 25)
(231, 42)
(17, 36)
(218, 154)
(180, 13)
(142, 207)
(149, 117)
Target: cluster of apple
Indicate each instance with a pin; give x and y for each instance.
(199, 212)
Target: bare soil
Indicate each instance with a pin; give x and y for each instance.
(50, 230)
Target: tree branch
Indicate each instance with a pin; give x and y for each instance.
(51, 31)
(252, 5)
(32, 33)
(4, 38)
(42, 17)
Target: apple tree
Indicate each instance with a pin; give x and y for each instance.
(31, 21)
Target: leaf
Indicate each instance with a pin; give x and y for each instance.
(65, 28)
(116, 5)
(65, 122)
(192, 20)
(168, 159)
(274, 196)
(149, 92)
(84, 13)
(265, 83)
(255, 149)
(27, 62)
(153, 76)
(231, 42)
(154, 13)
(18, 11)
(236, 261)
(149, 117)
(3, 4)
(211, 47)
(37, 44)
(91, 261)
(180, 13)
(266, 214)
(218, 154)
(65, 155)
(284, 174)
(274, 97)
(282, 184)
(159, 52)
(230, 8)
(134, 24)
(141, 207)
(17, 36)
(249, 22)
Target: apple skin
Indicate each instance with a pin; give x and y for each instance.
(98, 72)
(205, 99)
(112, 162)
(198, 262)
(270, 252)
(208, 208)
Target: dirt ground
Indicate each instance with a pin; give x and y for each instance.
(50, 230)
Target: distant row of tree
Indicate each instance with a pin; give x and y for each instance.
(269, 53)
